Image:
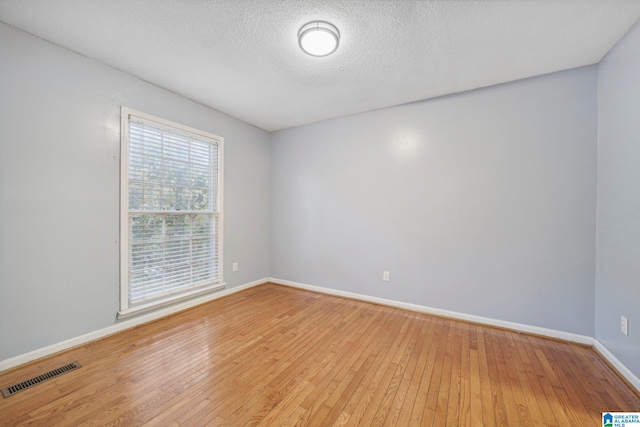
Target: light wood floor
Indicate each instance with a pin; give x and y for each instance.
(274, 355)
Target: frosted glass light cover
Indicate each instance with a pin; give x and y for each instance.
(318, 38)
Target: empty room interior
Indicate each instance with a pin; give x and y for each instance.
(337, 212)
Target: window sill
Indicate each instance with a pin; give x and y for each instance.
(132, 311)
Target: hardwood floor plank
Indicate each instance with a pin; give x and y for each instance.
(514, 367)
(385, 409)
(263, 393)
(376, 412)
(428, 360)
(541, 412)
(336, 369)
(273, 355)
(370, 393)
(464, 407)
(435, 378)
(526, 400)
(487, 407)
(362, 391)
(495, 381)
(454, 402)
(347, 373)
(338, 402)
(406, 396)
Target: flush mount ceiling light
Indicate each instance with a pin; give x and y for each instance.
(318, 38)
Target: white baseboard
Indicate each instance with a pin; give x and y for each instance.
(620, 367)
(121, 326)
(519, 327)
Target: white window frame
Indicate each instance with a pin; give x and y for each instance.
(125, 308)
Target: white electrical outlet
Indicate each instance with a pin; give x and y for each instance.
(385, 276)
(234, 266)
(624, 325)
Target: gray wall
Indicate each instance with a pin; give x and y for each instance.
(482, 202)
(59, 189)
(618, 235)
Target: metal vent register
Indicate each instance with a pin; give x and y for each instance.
(16, 388)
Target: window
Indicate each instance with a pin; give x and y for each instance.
(171, 212)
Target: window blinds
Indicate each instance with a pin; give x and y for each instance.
(173, 219)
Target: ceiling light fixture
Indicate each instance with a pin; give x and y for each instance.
(318, 38)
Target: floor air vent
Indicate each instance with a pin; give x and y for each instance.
(16, 388)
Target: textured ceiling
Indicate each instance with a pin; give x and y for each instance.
(242, 57)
